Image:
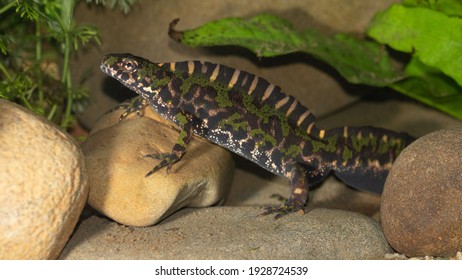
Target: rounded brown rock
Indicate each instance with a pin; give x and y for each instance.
(421, 209)
(117, 167)
(43, 185)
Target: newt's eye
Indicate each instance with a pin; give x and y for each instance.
(130, 65)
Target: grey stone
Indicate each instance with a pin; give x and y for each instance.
(233, 233)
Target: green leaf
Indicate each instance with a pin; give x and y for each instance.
(430, 86)
(83, 34)
(4, 40)
(358, 61)
(433, 37)
(426, 90)
(27, 9)
(449, 7)
(265, 35)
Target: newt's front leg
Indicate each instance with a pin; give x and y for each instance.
(135, 105)
(180, 147)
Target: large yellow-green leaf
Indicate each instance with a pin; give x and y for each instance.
(430, 86)
(449, 7)
(433, 37)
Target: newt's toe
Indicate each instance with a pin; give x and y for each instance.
(288, 207)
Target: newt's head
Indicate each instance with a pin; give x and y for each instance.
(136, 73)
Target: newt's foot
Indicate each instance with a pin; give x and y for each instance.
(289, 206)
(135, 105)
(167, 159)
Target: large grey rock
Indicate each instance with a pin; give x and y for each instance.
(234, 233)
(43, 185)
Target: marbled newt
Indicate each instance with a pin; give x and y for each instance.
(253, 118)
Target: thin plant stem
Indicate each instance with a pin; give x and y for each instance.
(7, 7)
(66, 21)
(66, 80)
(25, 100)
(3, 69)
(38, 59)
(52, 112)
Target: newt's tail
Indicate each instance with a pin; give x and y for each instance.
(365, 155)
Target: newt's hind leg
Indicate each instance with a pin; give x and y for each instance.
(299, 186)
